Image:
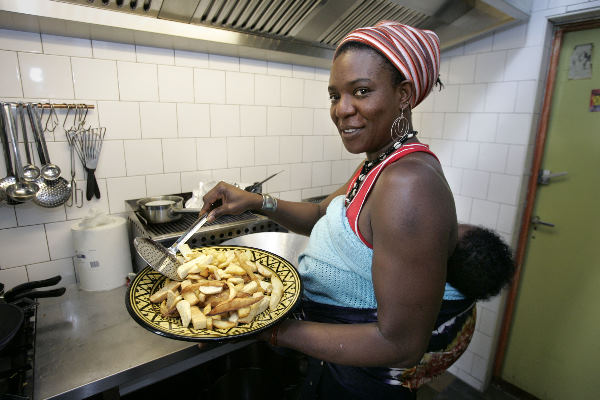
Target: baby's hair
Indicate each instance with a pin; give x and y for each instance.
(482, 264)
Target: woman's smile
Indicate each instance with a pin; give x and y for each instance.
(348, 132)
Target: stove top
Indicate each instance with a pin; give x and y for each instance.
(214, 233)
(16, 359)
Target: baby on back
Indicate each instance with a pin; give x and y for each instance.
(482, 263)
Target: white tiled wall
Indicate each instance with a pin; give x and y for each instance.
(482, 126)
(175, 118)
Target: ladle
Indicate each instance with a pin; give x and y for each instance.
(52, 193)
(49, 171)
(10, 177)
(164, 260)
(21, 190)
(30, 171)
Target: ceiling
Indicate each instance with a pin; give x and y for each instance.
(295, 31)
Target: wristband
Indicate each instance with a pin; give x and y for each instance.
(269, 203)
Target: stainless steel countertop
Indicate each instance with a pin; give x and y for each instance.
(87, 343)
(286, 245)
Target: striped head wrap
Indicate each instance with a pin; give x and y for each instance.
(414, 52)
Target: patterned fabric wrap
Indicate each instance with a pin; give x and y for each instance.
(434, 363)
(454, 329)
(414, 52)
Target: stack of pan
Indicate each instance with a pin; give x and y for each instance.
(11, 314)
(44, 186)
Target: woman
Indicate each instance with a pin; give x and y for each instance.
(374, 270)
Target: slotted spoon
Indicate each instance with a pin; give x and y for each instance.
(162, 259)
(49, 171)
(51, 193)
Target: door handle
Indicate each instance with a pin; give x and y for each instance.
(545, 175)
(537, 221)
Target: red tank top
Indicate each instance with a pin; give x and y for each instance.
(355, 207)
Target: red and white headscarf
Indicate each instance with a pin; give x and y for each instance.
(414, 52)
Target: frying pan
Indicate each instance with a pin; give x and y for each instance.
(11, 315)
(162, 209)
(24, 290)
(12, 318)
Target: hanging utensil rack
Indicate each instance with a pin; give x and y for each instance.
(63, 105)
(53, 119)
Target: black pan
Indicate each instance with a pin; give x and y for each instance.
(12, 315)
(24, 290)
(12, 318)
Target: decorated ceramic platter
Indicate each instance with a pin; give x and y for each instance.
(148, 314)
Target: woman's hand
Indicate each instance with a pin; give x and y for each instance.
(235, 201)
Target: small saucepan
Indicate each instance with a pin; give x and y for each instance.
(162, 209)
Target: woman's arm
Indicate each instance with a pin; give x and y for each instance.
(299, 217)
(413, 222)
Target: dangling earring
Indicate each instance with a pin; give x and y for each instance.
(400, 127)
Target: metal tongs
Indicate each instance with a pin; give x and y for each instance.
(76, 193)
(164, 260)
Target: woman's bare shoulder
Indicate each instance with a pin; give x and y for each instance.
(416, 169)
(417, 183)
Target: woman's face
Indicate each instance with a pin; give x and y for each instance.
(364, 102)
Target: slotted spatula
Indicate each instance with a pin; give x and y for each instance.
(88, 144)
(162, 259)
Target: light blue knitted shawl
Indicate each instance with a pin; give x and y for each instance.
(336, 265)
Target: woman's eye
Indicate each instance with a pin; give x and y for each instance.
(333, 97)
(361, 91)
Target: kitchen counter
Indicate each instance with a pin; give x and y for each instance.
(87, 343)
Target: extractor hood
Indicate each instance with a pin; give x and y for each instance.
(294, 31)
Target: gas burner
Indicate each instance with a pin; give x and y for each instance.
(16, 360)
(26, 304)
(17, 354)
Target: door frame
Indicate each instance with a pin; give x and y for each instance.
(560, 28)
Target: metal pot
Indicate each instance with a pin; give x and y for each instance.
(162, 209)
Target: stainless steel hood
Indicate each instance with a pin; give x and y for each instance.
(294, 31)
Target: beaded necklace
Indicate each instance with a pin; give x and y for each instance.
(369, 165)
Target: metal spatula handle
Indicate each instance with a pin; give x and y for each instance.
(188, 234)
(193, 229)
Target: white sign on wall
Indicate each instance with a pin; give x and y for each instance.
(581, 62)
